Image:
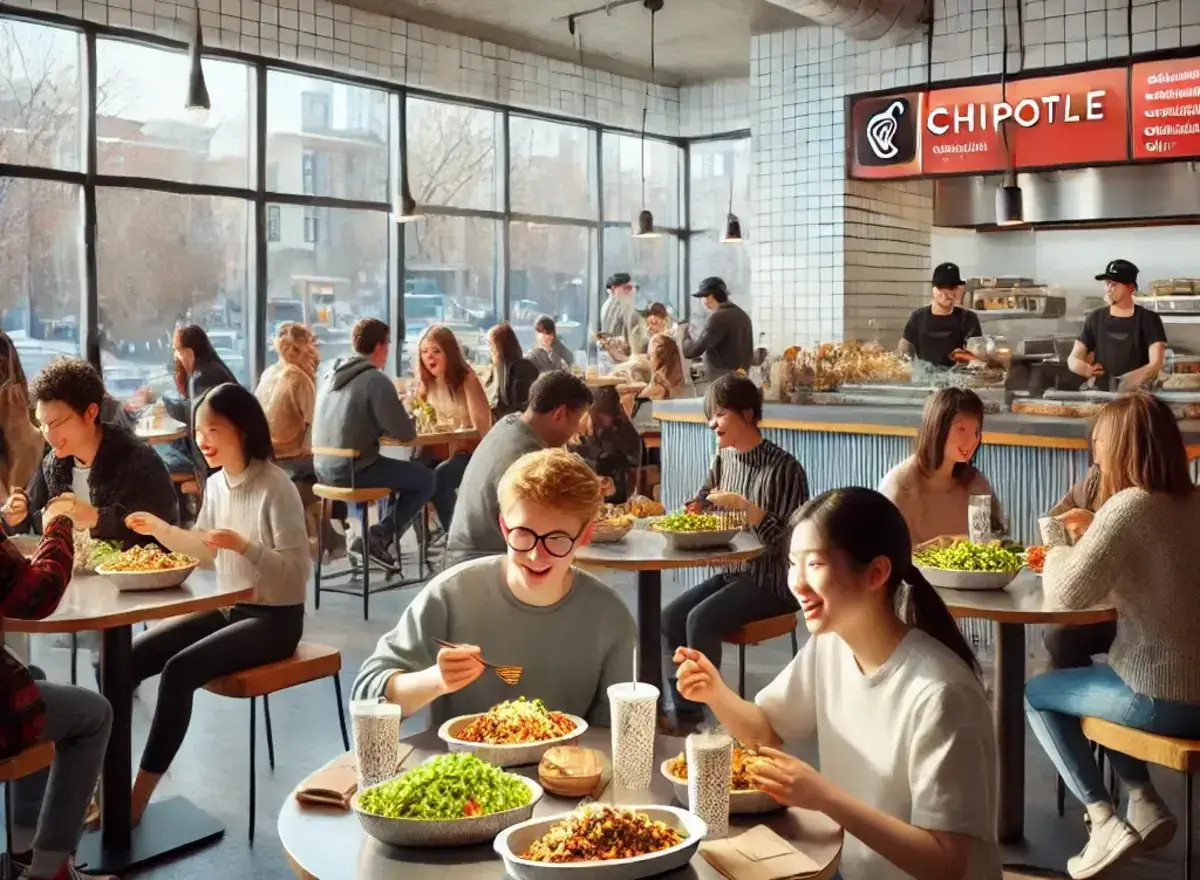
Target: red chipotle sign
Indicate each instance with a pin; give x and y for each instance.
(1166, 109)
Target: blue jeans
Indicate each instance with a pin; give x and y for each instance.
(412, 485)
(447, 477)
(1055, 701)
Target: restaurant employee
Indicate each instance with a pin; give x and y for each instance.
(1123, 346)
(935, 330)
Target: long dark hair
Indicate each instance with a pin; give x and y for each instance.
(14, 389)
(504, 339)
(864, 525)
(939, 414)
(233, 402)
(192, 336)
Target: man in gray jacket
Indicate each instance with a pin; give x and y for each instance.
(356, 405)
(727, 342)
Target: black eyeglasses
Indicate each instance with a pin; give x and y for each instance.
(557, 544)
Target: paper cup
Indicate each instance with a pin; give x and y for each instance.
(710, 777)
(634, 710)
(376, 741)
(979, 519)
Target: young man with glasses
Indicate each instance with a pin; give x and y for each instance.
(571, 634)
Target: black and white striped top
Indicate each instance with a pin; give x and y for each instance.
(771, 479)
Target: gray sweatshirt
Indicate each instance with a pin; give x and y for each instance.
(727, 342)
(475, 529)
(356, 405)
(559, 357)
(570, 651)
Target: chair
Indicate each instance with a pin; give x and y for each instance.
(352, 495)
(756, 633)
(310, 663)
(37, 757)
(1180, 755)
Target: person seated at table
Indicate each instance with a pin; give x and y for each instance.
(667, 380)
(511, 375)
(530, 607)
(356, 405)
(21, 444)
(251, 529)
(109, 472)
(557, 402)
(891, 690)
(1137, 554)
(48, 807)
(550, 353)
(934, 485)
(609, 442)
(752, 475)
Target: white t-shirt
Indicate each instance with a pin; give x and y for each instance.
(913, 740)
(79, 483)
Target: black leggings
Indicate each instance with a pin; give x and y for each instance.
(191, 651)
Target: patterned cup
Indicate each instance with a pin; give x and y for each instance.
(710, 778)
(634, 711)
(376, 741)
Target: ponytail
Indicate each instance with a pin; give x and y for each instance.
(925, 610)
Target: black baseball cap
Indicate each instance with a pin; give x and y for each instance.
(618, 279)
(947, 275)
(1121, 271)
(711, 286)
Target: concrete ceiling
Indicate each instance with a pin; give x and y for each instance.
(695, 40)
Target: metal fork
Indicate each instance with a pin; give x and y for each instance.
(510, 675)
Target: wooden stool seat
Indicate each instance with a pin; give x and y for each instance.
(1180, 755)
(310, 662)
(37, 757)
(762, 630)
(350, 495)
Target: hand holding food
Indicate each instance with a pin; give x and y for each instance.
(145, 524)
(698, 680)
(63, 505)
(16, 508)
(458, 667)
(963, 555)
(1076, 522)
(728, 501)
(454, 786)
(790, 781)
(85, 515)
(226, 539)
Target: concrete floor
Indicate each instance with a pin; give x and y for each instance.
(211, 768)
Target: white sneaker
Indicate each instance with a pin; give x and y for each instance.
(1108, 843)
(1152, 821)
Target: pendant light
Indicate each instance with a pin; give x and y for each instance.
(197, 92)
(1010, 201)
(733, 226)
(645, 219)
(404, 210)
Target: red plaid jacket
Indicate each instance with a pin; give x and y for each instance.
(30, 589)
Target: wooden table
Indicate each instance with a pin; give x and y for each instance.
(91, 602)
(648, 554)
(434, 438)
(323, 843)
(1010, 610)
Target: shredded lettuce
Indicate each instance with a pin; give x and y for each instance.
(455, 786)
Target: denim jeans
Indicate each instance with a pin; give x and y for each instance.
(1055, 701)
(411, 483)
(447, 477)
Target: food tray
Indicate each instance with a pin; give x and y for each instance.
(604, 534)
(698, 540)
(129, 581)
(740, 802)
(449, 832)
(505, 756)
(518, 839)
(967, 580)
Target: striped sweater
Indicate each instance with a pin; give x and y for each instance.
(771, 479)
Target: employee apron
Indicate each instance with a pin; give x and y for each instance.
(935, 346)
(1120, 348)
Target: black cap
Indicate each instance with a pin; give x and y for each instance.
(712, 286)
(618, 279)
(947, 275)
(1121, 271)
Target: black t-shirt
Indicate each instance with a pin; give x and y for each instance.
(1121, 345)
(933, 337)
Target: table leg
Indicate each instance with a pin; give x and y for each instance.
(649, 620)
(168, 826)
(1008, 715)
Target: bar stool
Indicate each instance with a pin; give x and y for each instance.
(37, 757)
(756, 633)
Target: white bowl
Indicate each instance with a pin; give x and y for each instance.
(967, 580)
(446, 832)
(148, 580)
(518, 839)
(505, 755)
(740, 802)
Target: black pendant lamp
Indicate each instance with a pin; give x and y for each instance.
(197, 93)
(645, 219)
(404, 209)
(1010, 203)
(733, 226)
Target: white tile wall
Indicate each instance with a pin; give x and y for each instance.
(338, 38)
(714, 108)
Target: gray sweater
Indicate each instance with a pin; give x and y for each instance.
(727, 342)
(475, 529)
(1139, 554)
(570, 652)
(559, 357)
(356, 405)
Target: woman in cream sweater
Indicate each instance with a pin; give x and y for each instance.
(1138, 554)
(288, 390)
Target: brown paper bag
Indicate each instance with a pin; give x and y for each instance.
(758, 854)
(335, 785)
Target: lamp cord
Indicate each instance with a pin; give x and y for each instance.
(646, 108)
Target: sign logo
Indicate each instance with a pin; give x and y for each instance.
(888, 136)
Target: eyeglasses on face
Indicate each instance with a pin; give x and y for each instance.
(557, 544)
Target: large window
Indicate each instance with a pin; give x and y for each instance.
(653, 263)
(41, 96)
(627, 158)
(552, 168)
(720, 169)
(454, 155)
(550, 274)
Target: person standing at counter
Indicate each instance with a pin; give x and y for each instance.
(727, 342)
(1122, 345)
(936, 330)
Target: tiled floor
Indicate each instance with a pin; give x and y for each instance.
(212, 767)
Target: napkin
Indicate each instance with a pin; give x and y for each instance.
(335, 784)
(758, 854)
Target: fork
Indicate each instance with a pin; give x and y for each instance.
(510, 675)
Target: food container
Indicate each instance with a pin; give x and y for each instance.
(633, 708)
(132, 581)
(610, 534)
(376, 741)
(967, 580)
(572, 772)
(448, 832)
(699, 540)
(514, 755)
(740, 802)
(511, 843)
(979, 519)
(710, 768)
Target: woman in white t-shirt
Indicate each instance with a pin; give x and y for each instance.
(907, 755)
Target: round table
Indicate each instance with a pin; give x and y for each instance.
(324, 843)
(648, 554)
(91, 602)
(1010, 610)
